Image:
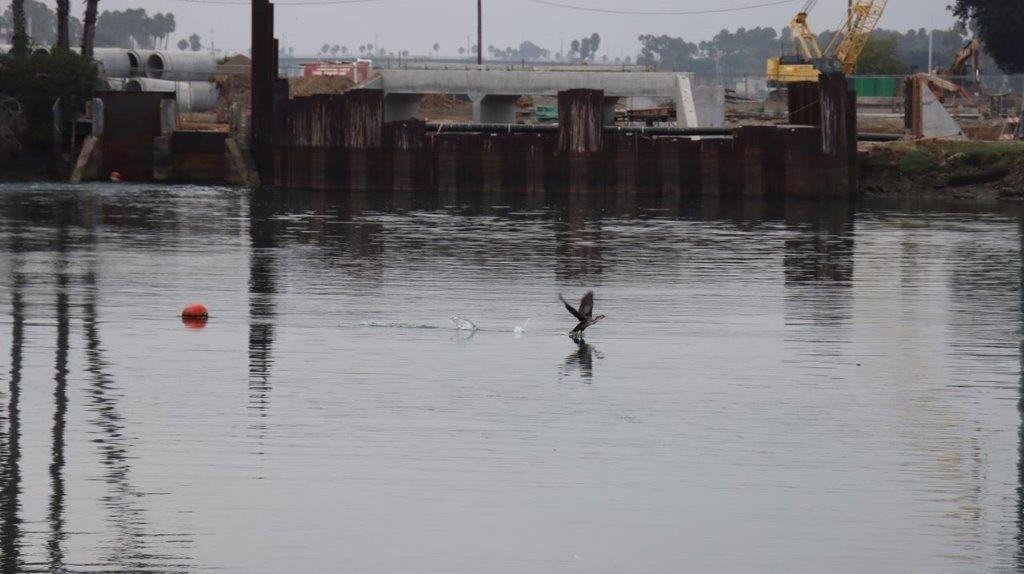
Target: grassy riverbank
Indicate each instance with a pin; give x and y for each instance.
(967, 170)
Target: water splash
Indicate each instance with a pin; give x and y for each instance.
(520, 330)
(377, 325)
(463, 324)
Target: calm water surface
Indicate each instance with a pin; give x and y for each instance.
(802, 388)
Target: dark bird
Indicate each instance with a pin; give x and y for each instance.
(585, 314)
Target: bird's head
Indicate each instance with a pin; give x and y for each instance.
(599, 318)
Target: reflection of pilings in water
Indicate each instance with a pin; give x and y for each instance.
(1020, 428)
(10, 456)
(127, 517)
(60, 399)
(822, 248)
(577, 247)
(262, 288)
(818, 266)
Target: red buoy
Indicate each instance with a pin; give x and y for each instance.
(115, 176)
(195, 311)
(194, 323)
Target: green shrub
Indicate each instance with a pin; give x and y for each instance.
(916, 162)
(39, 79)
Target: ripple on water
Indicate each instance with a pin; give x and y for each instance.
(776, 387)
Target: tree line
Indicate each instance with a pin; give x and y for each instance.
(745, 51)
(582, 50)
(130, 28)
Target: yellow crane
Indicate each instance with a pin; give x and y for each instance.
(842, 52)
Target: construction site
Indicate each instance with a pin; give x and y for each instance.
(361, 124)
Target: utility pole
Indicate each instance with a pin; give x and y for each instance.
(479, 32)
(931, 51)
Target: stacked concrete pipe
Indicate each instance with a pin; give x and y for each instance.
(113, 62)
(191, 96)
(189, 66)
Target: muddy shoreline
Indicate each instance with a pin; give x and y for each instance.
(962, 170)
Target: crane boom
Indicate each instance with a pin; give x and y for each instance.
(849, 41)
(803, 36)
(842, 52)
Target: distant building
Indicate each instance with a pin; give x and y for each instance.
(357, 71)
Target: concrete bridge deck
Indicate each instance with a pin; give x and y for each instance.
(494, 92)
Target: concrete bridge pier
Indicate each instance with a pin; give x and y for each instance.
(608, 110)
(494, 109)
(401, 107)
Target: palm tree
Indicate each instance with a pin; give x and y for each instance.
(20, 39)
(89, 28)
(63, 32)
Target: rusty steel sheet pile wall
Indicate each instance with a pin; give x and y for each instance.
(198, 156)
(131, 123)
(757, 161)
(341, 142)
(804, 102)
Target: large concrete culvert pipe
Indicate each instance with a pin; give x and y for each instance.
(181, 66)
(114, 62)
(138, 58)
(191, 96)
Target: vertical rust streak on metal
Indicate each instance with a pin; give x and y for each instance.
(804, 104)
(581, 121)
(833, 114)
(363, 119)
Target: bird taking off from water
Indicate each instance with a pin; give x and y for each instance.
(585, 314)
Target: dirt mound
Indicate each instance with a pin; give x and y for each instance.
(316, 85)
(445, 108)
(233, 89)
(235, 65)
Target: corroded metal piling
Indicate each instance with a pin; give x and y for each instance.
(265, 88)
(343, 142)
(580, 121)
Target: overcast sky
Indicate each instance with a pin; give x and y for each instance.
(415, 25)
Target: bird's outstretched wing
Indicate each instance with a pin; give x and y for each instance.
(587, 305)
(571, 309)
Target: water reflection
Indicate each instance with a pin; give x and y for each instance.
(894, 457)
(581, 360)
(578, 243)
(10, 442)
(132, 548)
(821, 243)
(818, 265)
(262, 290)
(55, 513)
(1020, 411)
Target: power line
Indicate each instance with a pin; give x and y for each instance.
(299, 3)
(661, 12)
(544, 2)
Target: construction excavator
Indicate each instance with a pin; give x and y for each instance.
(968, 56)
(842, 52)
